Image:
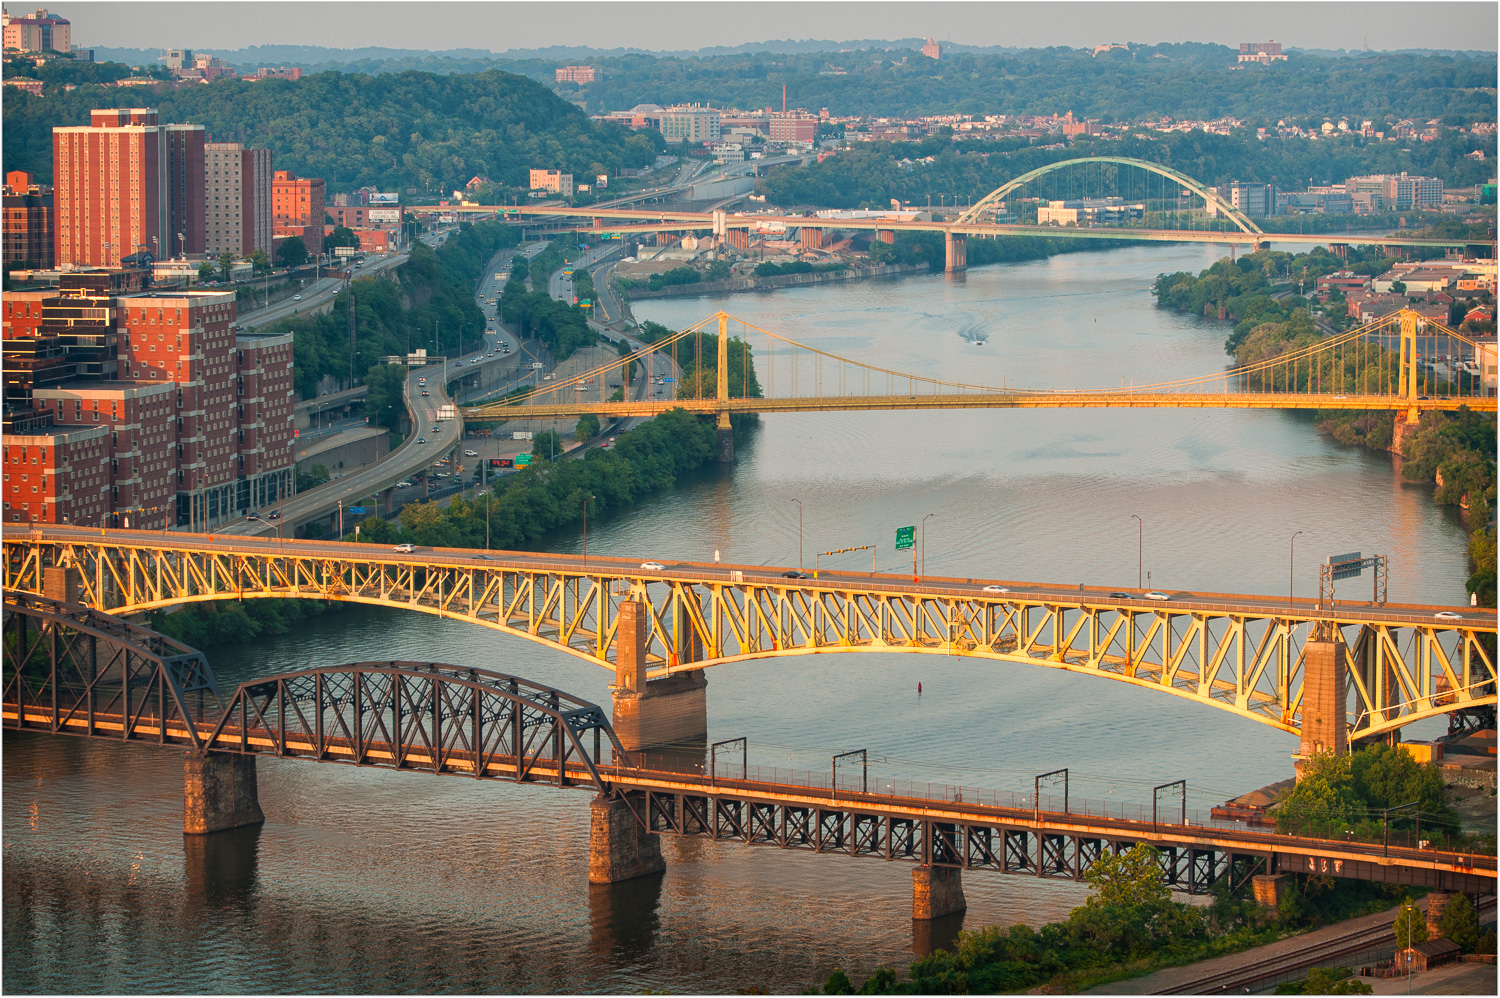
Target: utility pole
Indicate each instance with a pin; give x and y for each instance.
(352, 351)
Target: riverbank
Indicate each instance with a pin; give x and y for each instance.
(737, 285)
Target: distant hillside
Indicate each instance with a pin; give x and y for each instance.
(395, 131)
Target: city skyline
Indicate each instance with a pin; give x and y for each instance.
(667, 27)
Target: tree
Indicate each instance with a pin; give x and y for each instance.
(1323, 800)
(1398, 287)
(545, 446)
(1131, 907)
(341, 236)
(588, 427)
(312, 478)
(226, 264)
(384, 403)
(206, 271)
(1460, 922)
(293, 252)
(1411, 925)
(1326, 981)
(260, 262)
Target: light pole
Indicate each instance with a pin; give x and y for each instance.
(1291, 563)
(1140, 549)
(341, 519)
(924, 543)
(800, 563)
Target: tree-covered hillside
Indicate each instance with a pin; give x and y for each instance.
(399, 131)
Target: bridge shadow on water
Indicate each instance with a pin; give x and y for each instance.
(625, 917)
(222, 870)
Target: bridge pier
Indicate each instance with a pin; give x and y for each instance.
(218, 793)
(61, 582)
(724, 446)
(956, 247)
(619, 847)
(1324, 702)
(1269, 888)
(660, 712)
(936, 891)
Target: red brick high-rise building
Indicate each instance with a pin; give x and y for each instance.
(29, 230)
(125, 183)
(237, 211)
(298, 208)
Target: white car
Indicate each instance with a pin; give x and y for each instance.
(296, 297)
(1157, 595)
(996, 589)
(653, 566)
(404, 548)
(471, 453)
(1448, 615)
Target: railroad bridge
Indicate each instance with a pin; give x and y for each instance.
(71, 670)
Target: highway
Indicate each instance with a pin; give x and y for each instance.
(317, 294)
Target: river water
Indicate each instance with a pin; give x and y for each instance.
(374, 881)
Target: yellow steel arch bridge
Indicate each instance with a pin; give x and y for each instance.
(1243, 654)
(1402, 362)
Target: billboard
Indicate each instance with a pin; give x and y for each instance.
(385, 215)
(376, 197)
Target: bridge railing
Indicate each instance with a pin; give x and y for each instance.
(853, 787)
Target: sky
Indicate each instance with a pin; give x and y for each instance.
(227, 25)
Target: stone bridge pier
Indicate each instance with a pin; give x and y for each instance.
(219, 792)
(956, 246)
(659, 712)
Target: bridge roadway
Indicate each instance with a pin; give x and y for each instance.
(625, 221)
(1237, 652)
(1104, 399)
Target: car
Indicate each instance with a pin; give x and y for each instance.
(404, 548)
(653, 566)
(439, 474)
(1121, 596)
(296, 297)
(1157, 595)
(1448, 615)
(426, 393)
(471, 453)
(421, 381)
(437, 428)
(403, 484)
(996, 589)
(458, 363)
(794, 575)
(421, 440)
(275, 514)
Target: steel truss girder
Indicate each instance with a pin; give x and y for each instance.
(1248, 664)
(978, 845)
(72, 670)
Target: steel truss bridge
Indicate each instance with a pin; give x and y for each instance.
(74, 671)
(1237, 653)
(1193, 203)
(1402, 362)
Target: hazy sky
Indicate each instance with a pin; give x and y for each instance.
(224, 24)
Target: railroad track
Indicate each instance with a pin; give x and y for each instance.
(1319, 952)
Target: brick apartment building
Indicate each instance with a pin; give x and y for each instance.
(29, 230)
(197, 422)
(56, 474)
(125, 183)
(237, 213)
(575, 74)
(298, 209)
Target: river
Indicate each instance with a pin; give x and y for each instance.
(373, 881)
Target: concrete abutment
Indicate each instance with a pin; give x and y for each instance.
(936, 891)
(1324, 702)
(956, 253)
(219, 792)
(620, 848)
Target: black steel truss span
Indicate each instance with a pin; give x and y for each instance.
(72, 670)
(976, 845)
(422, 716)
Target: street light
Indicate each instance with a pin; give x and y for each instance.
(585, 529)
(1140, 549)
(800, 564)
(1291, 561)
(924, 543)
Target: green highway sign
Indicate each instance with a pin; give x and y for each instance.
(522, 460)
(905, 537)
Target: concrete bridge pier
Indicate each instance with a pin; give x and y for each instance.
(936, 891)
(218, 793)
(1324, 701)
(619, 847)
(386, 499)
(956, 246)
(659, 712)
(724, 446)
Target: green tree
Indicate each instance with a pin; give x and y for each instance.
(226, 264)
(1326, 981)
(1384, 776)
(545, 446)
(206, 271)
(1411, 925)
(1131, 908)
(385, 402)
(587, 428)
(312, 477)
(293, 252)
(1324, 799)
(1398, 287)
(260, 262)
(341, 236)
(1460, 922)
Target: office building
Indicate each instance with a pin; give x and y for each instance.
(237, 199)
(1398, 191)
(1261, 52)
(690, 124)
(1251, 200)
(797, 126)
(126, 183)
(38, 32)
(575, 74)
(29, 229)
(552, 180)
(297, 209)
(931, 50)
